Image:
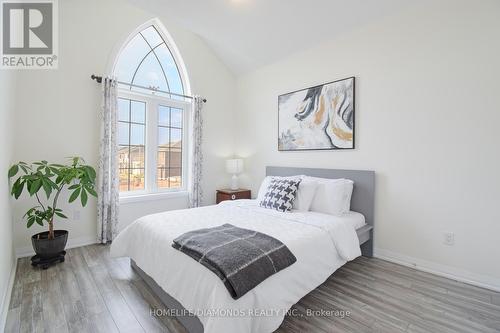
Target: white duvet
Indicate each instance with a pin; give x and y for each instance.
(321, 244)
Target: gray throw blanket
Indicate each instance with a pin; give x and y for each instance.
(241, 258)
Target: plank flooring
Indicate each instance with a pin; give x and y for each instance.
(91, 292)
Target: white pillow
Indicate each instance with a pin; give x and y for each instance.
(263, 188)
(333, 196)
(349, 186)
(304, 196)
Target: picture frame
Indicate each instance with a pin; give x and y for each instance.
(321, 117)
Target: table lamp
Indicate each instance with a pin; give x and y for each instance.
(234, 167)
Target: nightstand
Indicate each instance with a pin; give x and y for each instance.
(227, 194)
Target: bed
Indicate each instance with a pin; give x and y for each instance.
(198, 298)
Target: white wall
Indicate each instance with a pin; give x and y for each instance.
(60, 117)
(7, 85)
(427, 115)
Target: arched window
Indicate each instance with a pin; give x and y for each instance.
(152, 114)
(147, 61)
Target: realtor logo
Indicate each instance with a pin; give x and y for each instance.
(29, 34)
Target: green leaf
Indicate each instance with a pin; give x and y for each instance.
(47, 187)
(38, 184)
(74, 195)
(91, 172)
(19, 190)
(54, 170)
(39, 221)
(52, 184)
(91, 191)
(84, 197)
(75, 186)
(35, 186)
(29, 182)
(13, 170)
(16, 184)
(30, 222)
(61, 215)
(30, 212)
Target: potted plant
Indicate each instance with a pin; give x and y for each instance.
(78, 177)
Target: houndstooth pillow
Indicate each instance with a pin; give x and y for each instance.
(280, 194)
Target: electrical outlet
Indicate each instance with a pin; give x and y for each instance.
(449, 238)
(76, 215)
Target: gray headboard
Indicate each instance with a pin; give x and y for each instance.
(363, 195)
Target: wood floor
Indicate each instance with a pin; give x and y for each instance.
(91, 292)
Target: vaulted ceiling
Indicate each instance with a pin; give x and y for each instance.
(247, 34)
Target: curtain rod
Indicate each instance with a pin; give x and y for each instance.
(98, 79)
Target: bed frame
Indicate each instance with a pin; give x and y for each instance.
(362, 201)
(363, 195)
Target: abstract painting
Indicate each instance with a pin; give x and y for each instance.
(317, 118)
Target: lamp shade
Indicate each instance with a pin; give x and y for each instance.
(234, 166)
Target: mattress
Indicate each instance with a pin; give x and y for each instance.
(357, 220)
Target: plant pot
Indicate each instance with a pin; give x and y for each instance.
(49, 248)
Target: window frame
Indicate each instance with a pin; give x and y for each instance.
(151, 188)
(129, 145)
(147, 194)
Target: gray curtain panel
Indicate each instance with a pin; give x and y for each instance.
(107, 186)
(195, 190)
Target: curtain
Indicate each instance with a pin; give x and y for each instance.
(107, 186)
(195, 190)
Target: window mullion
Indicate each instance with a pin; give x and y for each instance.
(151, 145)
(151, 174)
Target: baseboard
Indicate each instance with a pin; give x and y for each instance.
(27, 251)
(7, 293)
(457, 274)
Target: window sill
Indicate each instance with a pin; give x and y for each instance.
(152, 196)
